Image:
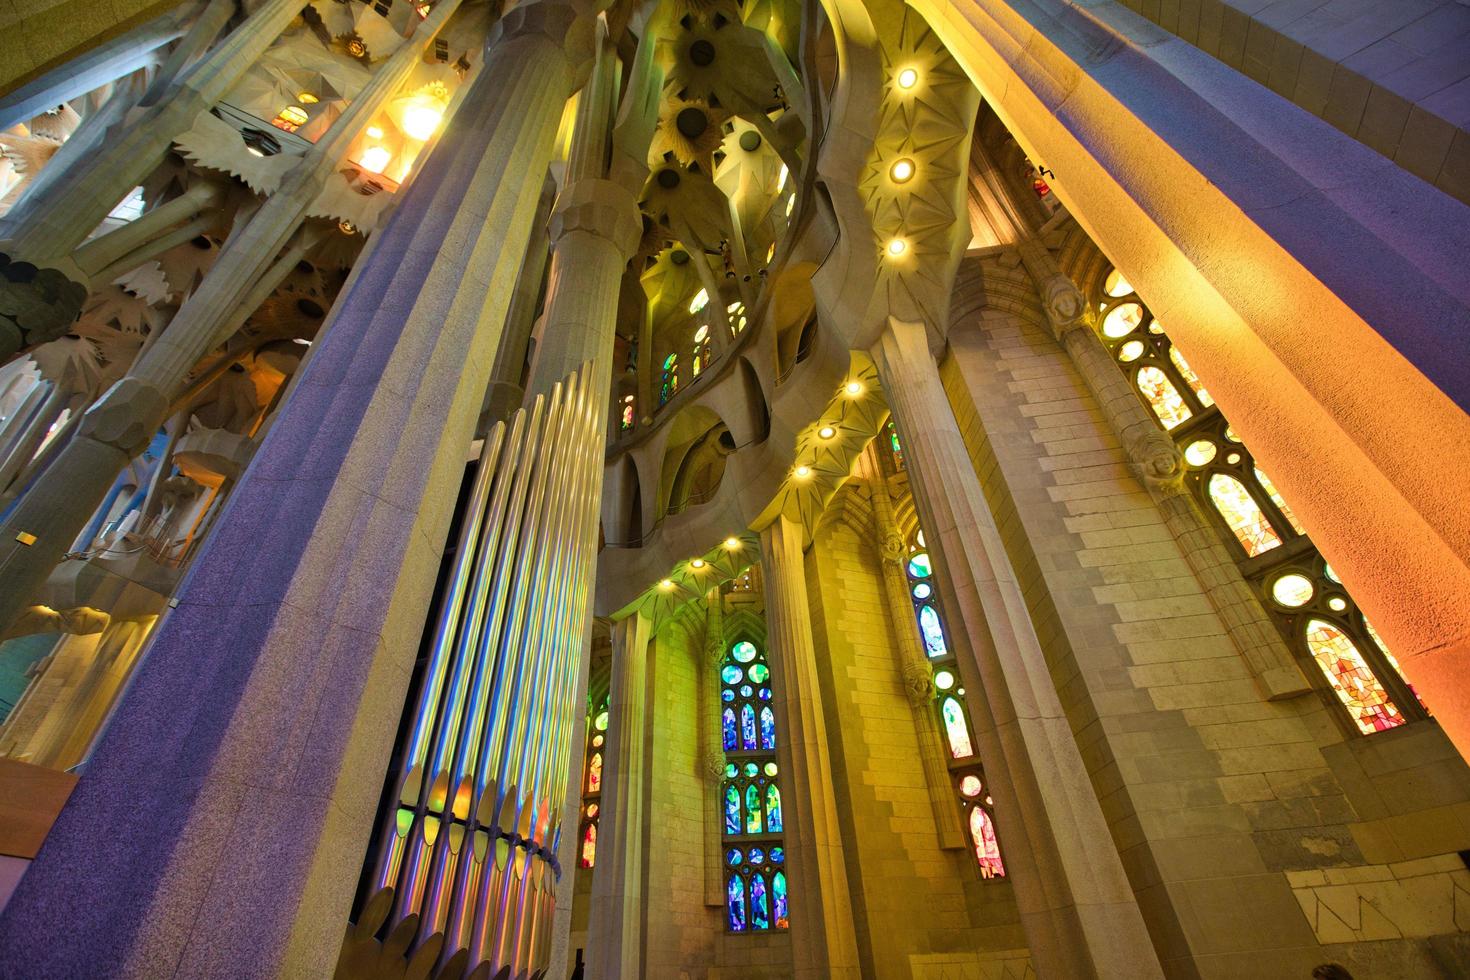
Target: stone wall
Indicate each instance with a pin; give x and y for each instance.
(1212, 793)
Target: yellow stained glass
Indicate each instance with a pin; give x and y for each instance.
(1116, 285)
(1245, 517)
(1270, 489)
(1199, 452)
(1351, 678)
(1190, 377)
(1131, 351)
(1122, 320)
(1162, 396)
(1392, 660)
(1292, 590)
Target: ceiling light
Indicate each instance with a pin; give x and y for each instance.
(420, 121)
(732, 544)
(803, 472)
(854, 388)
(666, 585)
(897, 247)
(826, 432)
(697, 563)
(375, 132)
(908, 78)
(901, 170)
(375, 159)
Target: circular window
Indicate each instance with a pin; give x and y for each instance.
(1292, 590)
(1116, 285)
(744, 651)
(970, 786)
(759, 673)
(1122, 320)
(1131, 351)
(731, 674)
(944, 680)
(1199, 452)
(600, 722)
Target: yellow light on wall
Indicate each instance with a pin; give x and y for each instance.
(420, 121)
(306, 98)
(375, 159)
(374, 132)
(908, 78)
(897, 247)
(901, 170)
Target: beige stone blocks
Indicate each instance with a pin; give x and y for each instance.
(1426, 897)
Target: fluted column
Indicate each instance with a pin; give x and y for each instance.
(1077, 908)
(247, 753)
(823, 942)
(918, 676)
(122, 422)
(1156, 460)
(614, 931)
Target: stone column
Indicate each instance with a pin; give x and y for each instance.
(614, 931)
(1077, 908)
(225, 812)
(712, 748)
(1155, 459)
(823, 941)
(505, 393)
(121, 423)
(918, 676)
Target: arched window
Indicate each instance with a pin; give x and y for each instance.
(750, 807)
(291, 118)
(1316, 614)
(736, 312)
(592, 784)
(949, 702)
(670, 379)
(895, 448)
(700, 358)
(629, 413)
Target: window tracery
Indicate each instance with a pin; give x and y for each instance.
(1320, 620)
(670, 383)
(756, 897)
(592, 785)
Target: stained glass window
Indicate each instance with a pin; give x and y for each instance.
(592, 781)
(625, 422)
(1243, 515)
(700, 358)
(1297, 587)
(949, 702)
(755, 886)
(894, 446)
(670, 382)
(738, 319)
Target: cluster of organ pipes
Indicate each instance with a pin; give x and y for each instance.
(469, 846)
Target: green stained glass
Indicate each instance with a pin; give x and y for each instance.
(773, 808)
(731, 674)
(732, 809)
(753, 810)
(744, 651)
(778, 891)
(759, 673)
(919, 565)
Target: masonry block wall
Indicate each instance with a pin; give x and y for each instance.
(1227, 809)
(913, 903)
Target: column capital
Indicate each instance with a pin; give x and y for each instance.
(602, 208)
(567, 25)
(126, 416)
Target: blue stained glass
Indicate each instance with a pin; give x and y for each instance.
(732, 809)
(727, 722)
(744, 651)
(746, 690)
(933, 632)
(751, 769)
(778, 854)
(727, 694)
(919, 565)
(922, 590)
(747, 726)
(757, 855)
(760, 909)
(773, 809)
(768, 728)
(735, 903)
(732, 857)
(731, 674)
(765, 694)
(778, 889)
(753, 809)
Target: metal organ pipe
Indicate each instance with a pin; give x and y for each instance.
(469, 846)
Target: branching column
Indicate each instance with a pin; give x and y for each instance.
(823, 943)
(614, 931)
(1079, 913)
(1156, 460)
(249, 748)
(123, 421)
(918, 676)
